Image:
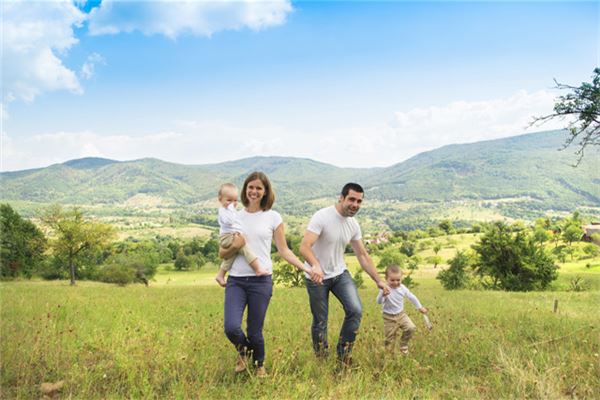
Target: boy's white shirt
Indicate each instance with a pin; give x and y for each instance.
(393, 303)
(229, 221)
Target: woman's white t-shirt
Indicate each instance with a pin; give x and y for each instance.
(258, 228)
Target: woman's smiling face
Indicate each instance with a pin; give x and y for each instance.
(255, 190)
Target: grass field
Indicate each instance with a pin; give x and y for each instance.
(167, 341)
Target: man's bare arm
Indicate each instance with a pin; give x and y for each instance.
(367, 265)
(308, 241)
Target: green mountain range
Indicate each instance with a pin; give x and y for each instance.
(520, 167)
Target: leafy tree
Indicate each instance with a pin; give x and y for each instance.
(583, 103)
(447, 226)
(182, 262)
(408, 248)
(123, 269)
(455, 277)
(591, 250)
(435, 260)
(513, 261)
(75, 239)
(22, 244)
(572, 233)
(541, 235)
(391, 256)
(437, 246)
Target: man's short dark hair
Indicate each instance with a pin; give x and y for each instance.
(351, 186)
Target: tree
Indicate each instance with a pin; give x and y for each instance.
(583, 103)
(391, 256)
(75, 238)
(455, 277)
(541, 235)
(22, 244)
(572, 233)
(182, 262)
(437, 246)
(513, 261)
(435, 260)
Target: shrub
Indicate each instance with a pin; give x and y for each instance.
(455, 277)
(358, 279)
(117, 274)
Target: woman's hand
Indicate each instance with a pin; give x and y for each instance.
(238, 242)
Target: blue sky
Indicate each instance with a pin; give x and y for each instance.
(349, 83)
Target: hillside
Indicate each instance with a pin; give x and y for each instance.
(526, 167)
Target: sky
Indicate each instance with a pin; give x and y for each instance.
(354, 84)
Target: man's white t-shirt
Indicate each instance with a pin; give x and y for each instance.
(335, 232)
(258, 228)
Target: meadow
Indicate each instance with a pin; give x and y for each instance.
(167, 341)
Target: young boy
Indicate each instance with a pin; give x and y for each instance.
(230, 226)
(394, 317)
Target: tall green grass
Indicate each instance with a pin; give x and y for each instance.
(167, 341)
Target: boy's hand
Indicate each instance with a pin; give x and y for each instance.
(423, 310)
(384, 287)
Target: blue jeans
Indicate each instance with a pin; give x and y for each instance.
(343, 288)
(255, 293)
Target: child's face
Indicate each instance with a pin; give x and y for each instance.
(394, 279)
(228, 197)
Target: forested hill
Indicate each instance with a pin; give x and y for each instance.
(521, 166)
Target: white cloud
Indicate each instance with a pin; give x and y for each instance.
(35, 34)
(422, 129)
(201, 142)
(89, 67)
(175, 17)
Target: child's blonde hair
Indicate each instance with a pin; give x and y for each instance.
(393, 269)
(224, 187)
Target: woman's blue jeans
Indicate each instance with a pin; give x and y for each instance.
(344, 289)
(255, 293)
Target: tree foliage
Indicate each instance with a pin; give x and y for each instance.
(513, 261)
(22, 244)
(76, 240)
(583, 103)
(456, 277)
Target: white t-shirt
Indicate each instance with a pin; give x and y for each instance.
(258, 228)
(335, 232)
(393, 303)
(229, 221)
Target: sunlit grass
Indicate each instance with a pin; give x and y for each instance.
(167, 341)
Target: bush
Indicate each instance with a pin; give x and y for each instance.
(358, 279)
(117, 274)
(513, 261)
(578, 284)
(456, 277)
(287, 275)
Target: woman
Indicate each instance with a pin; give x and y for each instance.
(244, 289)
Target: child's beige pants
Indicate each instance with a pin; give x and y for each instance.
(225, 241)
(398, 329)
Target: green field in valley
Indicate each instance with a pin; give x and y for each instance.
(167, 341)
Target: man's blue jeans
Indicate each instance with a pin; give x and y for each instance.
(343, 288)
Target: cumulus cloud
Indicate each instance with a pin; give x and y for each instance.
(35, 35)
(199, 142)
(468, 121)
(89, 67)
(175, 17)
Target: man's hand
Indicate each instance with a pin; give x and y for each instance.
(383, 286)
(423, 310)
(316, 274)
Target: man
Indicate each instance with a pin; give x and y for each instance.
(328, 232)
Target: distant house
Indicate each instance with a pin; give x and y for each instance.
(378, 239)
(591, 229)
